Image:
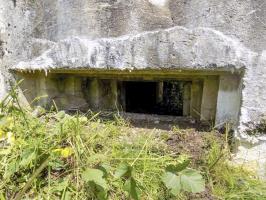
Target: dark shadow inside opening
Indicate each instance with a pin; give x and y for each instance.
(140, 97)
(163, 98)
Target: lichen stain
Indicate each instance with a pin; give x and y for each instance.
(15, 3)
(2, 53)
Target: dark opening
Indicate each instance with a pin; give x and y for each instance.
(172, 103)
(163, 98)
(140, 97)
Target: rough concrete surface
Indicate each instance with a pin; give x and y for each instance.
(142, 34)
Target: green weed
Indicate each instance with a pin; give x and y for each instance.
(228, 181)
(54, 155)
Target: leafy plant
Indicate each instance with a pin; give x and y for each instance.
(125, 171)
(95, 178)
(179, 178)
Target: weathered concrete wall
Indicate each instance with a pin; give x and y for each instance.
(209, 98)
(196, 98)
(63, 92)
(229, 100)
(101, 94)
(138, 34)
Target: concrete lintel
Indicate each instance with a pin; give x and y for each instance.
(154, 74)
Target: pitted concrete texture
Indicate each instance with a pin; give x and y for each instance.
(176, 47)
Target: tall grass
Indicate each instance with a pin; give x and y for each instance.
(43, 155)
(227, 180)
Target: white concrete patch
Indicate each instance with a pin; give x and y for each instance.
(3, 90)
(253, 159)
(229, 99)
(159, 3)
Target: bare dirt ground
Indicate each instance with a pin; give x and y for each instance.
(182, 135)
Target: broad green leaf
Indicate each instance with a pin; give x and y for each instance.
(172, 182)
(27, 157)
(96, 176)
(177, 168)
(171, 168)
(131, 187)
(105, 168)
(102, 195)
(123, 170)
(183, 162)
(192, 181)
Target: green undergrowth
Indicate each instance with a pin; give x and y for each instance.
(228, 181)
(52, 155)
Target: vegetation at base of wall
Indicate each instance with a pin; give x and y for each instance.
(228, 181)
(52, 155)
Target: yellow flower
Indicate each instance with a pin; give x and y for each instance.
(64, 152)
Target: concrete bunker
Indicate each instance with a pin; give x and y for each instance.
(162, 97)
(202, 95)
